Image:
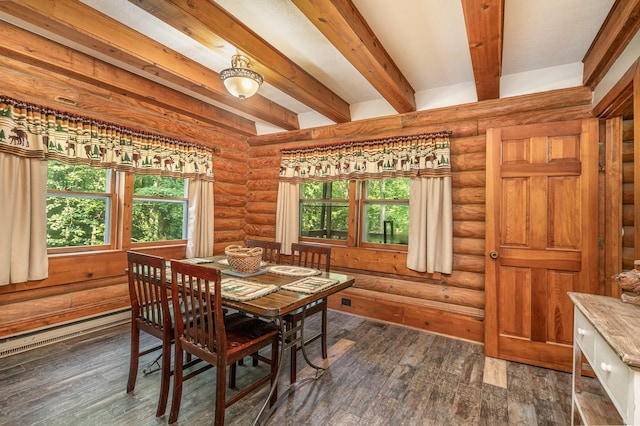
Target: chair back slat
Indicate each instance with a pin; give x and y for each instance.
(148, 289)
(270, 249)
(198, 291)
(311, 256)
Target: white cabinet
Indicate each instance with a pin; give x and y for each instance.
(607, 332)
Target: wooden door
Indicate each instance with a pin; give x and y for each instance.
(541, 237)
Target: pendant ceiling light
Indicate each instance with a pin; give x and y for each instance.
(239, 80)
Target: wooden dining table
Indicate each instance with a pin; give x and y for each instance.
(275, 306)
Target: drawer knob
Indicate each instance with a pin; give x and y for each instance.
(582, 331)
(605, 367)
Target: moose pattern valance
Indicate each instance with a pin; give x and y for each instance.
(33, 131)
(419, 155)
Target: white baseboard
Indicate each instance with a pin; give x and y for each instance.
(34, 339)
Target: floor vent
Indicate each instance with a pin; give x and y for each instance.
(23, 342)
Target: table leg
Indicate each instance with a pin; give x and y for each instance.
(319, 370)
(283, 348)
(289, 340)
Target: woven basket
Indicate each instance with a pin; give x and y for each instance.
(244, 259)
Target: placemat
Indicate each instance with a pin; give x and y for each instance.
(242, 274)
(293, 271)
(237, 289)
(240, 290)
(310, 285)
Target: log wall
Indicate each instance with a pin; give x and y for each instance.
(385, 289)
(246, 171)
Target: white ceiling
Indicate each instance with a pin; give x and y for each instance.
(544, 44)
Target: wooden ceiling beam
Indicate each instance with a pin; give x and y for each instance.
(621, 24)
(484, 20)
(33, 49)
(209, 24)
(81, 24)
(343, 25)
(619, 100)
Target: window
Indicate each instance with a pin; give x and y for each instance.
(80, 203)
(385, 211)
(324, 210)
(159, 209)
(381, 216)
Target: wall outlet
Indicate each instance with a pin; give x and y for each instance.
(346, 302)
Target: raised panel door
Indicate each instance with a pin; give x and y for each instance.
(542, 231)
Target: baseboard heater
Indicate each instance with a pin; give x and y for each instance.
(34, 339)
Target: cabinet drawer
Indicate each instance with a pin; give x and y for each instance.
(584, 335)
(614, 375)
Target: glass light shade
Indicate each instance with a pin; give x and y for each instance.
(240, 81)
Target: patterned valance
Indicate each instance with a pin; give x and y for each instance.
(418, 155)
(33, 131)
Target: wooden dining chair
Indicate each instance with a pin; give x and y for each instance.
(151, 313)
(318, 257)
(217, 339)
(271, 249)
(270, 254)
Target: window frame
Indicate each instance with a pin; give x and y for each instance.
(355, 229)
(326, 201)
(363, 201)
(111, 214)
(184, 199)
(120, 215)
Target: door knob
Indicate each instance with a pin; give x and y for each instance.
(493, 254)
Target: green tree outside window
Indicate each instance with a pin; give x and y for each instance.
(159, 209)
(78, 205)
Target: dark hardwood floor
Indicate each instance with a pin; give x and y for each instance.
(380, 374)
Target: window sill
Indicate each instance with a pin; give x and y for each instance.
(99, 252)
(159, 244)
(82, 253)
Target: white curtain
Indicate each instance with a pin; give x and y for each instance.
(200, 219)
(287, 215)
(430, 225)
(23, 219)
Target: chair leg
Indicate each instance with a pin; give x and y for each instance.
(324, 330)
(166, 376)
(134, 358)
(232, 375)
(221, 374)
(254, 362)
(177, 384)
